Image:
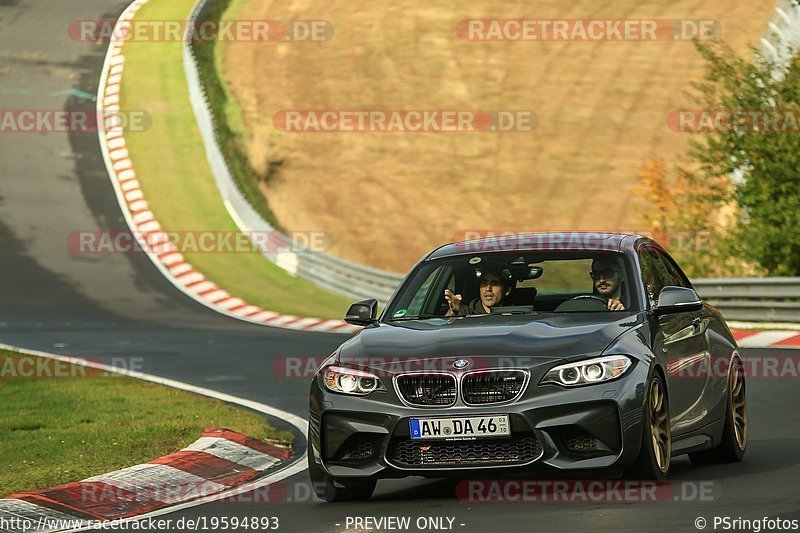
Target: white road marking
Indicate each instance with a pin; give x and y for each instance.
(765, 338)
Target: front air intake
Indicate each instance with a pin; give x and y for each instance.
(492, 386)
(427, 390)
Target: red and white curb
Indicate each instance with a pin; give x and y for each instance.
(747, 338)
(211, 444)
(219, 460)
(143, 223)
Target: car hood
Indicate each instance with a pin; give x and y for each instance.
(519, 340)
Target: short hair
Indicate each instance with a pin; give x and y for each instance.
(607, 259)
(500, 272)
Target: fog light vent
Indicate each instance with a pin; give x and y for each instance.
(582, 444)
(359, 449)
(365, 450)
(579, 441)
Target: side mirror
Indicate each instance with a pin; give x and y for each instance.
(362, 313)
(677, 300)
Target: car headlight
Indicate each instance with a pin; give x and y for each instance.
(350, 381)
(588, 372)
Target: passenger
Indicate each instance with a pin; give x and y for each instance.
(608, 283)
(494, 288)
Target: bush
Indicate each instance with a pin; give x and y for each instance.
(767, 193)
(689, 216)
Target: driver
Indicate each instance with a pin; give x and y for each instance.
(494, 288)
(607, 279)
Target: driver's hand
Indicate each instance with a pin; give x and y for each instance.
(615, 305)
(453, 301)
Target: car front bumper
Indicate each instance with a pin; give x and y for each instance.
(590, 427)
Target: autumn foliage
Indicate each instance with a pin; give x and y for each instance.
(691, 216)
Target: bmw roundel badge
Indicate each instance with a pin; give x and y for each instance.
(460, 364)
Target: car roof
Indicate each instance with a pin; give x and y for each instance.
(544, 241)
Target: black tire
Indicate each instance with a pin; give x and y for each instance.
(733, 444)
(331, 489)
(653, 464)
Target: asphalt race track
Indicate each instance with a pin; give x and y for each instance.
(118, 306)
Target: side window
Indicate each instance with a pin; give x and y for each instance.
(653, 273)
(415, 305)
(429, 296)
(675, 276)
(424, 294)
(419, 295)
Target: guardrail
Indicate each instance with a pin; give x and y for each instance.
(744, 299)
(753, 299)
(327, 271)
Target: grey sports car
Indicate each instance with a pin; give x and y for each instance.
(510, 354)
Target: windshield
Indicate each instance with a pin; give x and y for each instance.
(507, 283)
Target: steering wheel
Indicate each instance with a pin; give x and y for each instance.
(590, 297)
(588, 300)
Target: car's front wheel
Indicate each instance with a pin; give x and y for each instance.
(332, 489)
(655, 456)
(734, 437)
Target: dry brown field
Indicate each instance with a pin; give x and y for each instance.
(386, 198)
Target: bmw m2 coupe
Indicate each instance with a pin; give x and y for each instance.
(506, 355)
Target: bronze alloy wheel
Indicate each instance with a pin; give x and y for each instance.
(733, 440)
(739, 404)
(660, 426)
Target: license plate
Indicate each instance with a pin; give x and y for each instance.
(468, 427)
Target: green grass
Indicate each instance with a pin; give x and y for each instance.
(170, 163)
(83, 422)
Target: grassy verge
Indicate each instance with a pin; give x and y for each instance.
(171, 165)
(67, 422)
